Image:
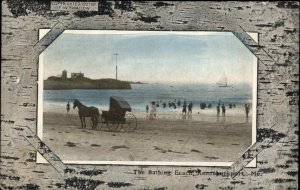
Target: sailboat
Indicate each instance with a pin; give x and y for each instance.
(223, 81)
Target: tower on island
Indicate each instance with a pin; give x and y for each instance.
(116, 65)
(64, 74)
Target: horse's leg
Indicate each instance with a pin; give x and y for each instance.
(81, 121)
(96, 121)
(93, 122)
(84, 122)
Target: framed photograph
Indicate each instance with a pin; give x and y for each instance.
(149, 95)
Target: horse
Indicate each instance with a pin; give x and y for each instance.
(85, 111)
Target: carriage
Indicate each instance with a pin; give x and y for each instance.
(119, 116)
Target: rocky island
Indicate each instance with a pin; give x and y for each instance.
(78, 81)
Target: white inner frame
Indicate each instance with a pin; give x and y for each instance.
(41, 159)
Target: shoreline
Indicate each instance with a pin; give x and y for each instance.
(234, 116)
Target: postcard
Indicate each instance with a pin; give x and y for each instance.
(152, 95)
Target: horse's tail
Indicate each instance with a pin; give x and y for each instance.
(97, 113)
(96, 120)
(96, 116)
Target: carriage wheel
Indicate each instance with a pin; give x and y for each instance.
(115, 122)
(131, 122)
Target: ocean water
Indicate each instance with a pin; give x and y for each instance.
(142, 94)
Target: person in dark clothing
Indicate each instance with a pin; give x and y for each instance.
(190, 106)
(147, 108)
(202, 105)
(247, 109)
(218, 110)
(68, 107)
(184, 109)
(223, 110)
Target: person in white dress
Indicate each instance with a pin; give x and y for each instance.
(153, 111)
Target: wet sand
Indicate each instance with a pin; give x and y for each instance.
(163, 139)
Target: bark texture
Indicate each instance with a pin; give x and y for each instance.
(277, 106)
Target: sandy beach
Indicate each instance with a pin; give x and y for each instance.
(170, 137)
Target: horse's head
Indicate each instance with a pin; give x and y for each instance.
(76, 103)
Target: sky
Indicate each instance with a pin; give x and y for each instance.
(152, 57)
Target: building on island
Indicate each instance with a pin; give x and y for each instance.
(64, 74)
(77, 75)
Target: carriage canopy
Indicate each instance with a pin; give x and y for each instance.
(118, 104)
